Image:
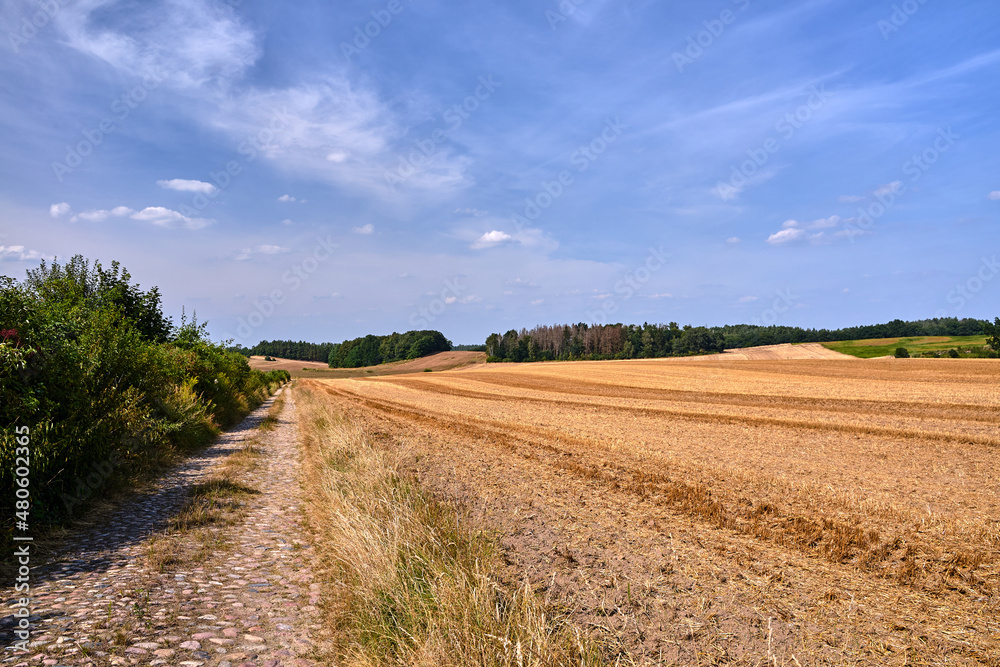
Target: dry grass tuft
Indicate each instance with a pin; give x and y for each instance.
(408, 578)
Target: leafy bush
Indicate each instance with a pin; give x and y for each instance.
(902, 353)
(109, 389)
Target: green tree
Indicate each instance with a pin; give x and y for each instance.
(992, 332)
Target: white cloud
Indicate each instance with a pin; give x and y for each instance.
(895, 187)
(101, 214)
(247, 253)
(286, 221)
(492, 238)
(786, 235)
(165, 217)
(326, 127)
(995, 195)
(183, 185)
(793, 230)
(825, 223)
(748, 299)
(286, 198)
(187, 43)
(732, 240)
(59, 210)
(17, 253)
(366, 229)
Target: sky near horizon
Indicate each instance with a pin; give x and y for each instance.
(322, 171)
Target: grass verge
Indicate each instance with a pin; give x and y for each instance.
(407, 577)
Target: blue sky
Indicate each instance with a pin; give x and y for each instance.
(322, 171)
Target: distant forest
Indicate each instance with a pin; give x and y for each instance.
(623, 341)
(375, 350)
(288, 349)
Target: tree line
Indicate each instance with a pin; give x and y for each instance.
(288, 349)
(103, 386)
(607, 341)
(628, 341)
(374, 350)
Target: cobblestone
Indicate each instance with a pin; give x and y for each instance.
(252, 603)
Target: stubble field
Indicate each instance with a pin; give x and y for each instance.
(726, 511)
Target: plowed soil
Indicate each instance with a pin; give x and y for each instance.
(801, 512)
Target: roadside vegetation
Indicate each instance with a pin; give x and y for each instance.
(409, 578)
(110, 390)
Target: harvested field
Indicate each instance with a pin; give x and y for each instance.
(783, 351)
(812, 512)
(441, 361)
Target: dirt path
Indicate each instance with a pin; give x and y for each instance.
(250, 602)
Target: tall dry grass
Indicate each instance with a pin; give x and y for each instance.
(407, 577)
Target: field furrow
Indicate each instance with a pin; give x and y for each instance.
(862, 490)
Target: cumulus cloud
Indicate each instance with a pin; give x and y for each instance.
(492, 238)
(101, 214)
(286, 198)
(155, 215)
(365, 230)
(786, 235)
(59, 210)
(165, 217)
(18, 253)
(183, 185)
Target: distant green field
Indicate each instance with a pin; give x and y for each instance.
(881, 347)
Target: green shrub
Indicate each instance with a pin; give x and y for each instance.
(902, 353)
(109, 389)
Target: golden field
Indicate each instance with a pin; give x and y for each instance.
(725, 511)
